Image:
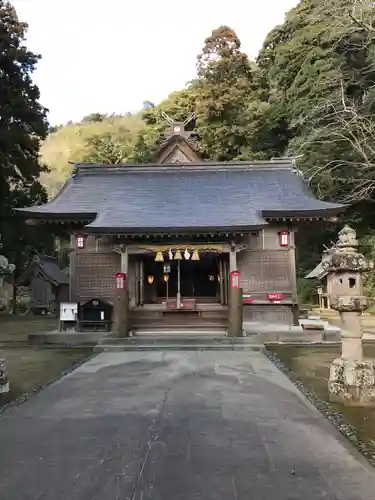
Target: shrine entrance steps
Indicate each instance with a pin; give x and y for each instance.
(177, 341)
(156, 318)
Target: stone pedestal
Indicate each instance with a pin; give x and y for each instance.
(351, 379)
(4, 382)
(352, 382)
(351, 340)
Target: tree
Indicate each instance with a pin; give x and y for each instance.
(320, 65)
(93, 117)
(229, 98)
(105, 149)
(23, 125)
(347, 123)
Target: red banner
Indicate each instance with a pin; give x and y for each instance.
(275, 297)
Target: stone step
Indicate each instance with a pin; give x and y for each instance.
(177, 347)
(138, 326)
(179, 317)
(174, 338)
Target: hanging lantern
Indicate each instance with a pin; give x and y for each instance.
(195, 255)
(80, 241)
(166, 277)
(150, 279)
(159, 257)
(235, 279)
(178, 255)
(170, 254)
(187, 255)
(284, 238)
(120, 282)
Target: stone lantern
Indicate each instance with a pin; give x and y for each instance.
(352, 379)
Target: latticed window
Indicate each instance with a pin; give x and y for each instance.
(265, 271)
(95, 274)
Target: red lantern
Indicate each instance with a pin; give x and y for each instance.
(80, 241)
(284, 238)
(120, 281)
(235, 279)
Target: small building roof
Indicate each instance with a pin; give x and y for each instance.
(48, 267)
(318, 273)
(206, 196)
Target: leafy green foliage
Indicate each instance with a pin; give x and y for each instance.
(79, 142)
(23, 125)
(229, 104)
(320, 64)
(320, 68)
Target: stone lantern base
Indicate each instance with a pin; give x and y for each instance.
(352, 382)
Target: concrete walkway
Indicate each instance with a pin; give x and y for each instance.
(176, 426)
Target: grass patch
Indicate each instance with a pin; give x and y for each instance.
(308, 368)
(17, 328)
(31, 368)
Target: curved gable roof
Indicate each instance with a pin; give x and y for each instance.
(196, 196)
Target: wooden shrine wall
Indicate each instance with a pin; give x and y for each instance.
(266, 268)
(92, 271)
(94, 275)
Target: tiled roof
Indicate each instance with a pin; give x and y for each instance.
(50, 269)
(318, 273)
(217, 196)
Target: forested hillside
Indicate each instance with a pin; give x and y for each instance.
(72, 143)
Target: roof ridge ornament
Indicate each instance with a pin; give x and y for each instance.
(178, 128)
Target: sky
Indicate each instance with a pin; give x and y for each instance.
(110, 56)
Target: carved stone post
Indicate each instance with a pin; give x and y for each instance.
(352, 379)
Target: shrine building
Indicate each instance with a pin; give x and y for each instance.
(177, 228)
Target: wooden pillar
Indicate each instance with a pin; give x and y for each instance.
(232, 261)
(226, 280)
(138, 284)
(328, 286)
(293, 277)
(121, 306)
(142, 282)
(235, 313)
(72, 269)
(221, 273)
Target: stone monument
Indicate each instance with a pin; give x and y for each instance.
(352, 379)
(5, 269)
(4, 381)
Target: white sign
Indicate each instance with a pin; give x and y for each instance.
(68, 311)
